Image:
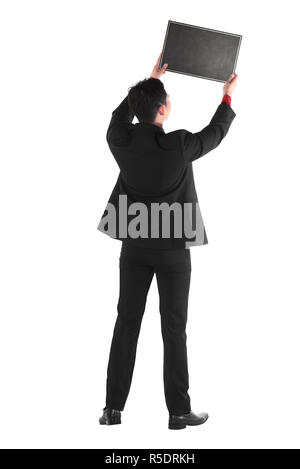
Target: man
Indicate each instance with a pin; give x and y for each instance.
(156, 173)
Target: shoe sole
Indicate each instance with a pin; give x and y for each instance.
(105, 422)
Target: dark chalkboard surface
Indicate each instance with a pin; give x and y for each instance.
(200, 52)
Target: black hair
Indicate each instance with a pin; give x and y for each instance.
(145, 98)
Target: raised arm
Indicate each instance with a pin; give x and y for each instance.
(122, 114)
(195, 145)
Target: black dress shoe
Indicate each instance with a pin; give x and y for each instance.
(110, 417)
(176, 422)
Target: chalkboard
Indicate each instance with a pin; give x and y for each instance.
(200, 52)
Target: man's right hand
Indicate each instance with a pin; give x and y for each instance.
(230, 84)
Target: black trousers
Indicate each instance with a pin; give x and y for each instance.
(137, 266)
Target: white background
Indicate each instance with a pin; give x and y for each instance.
(65, 65)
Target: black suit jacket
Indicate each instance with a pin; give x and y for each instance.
(156, 168)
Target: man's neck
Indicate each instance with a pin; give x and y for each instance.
(159, 124)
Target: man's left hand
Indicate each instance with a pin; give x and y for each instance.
(158, 72)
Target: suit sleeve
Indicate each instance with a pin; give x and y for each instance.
(195, 145)
(120, 116)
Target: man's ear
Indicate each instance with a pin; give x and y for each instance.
(161, 109)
